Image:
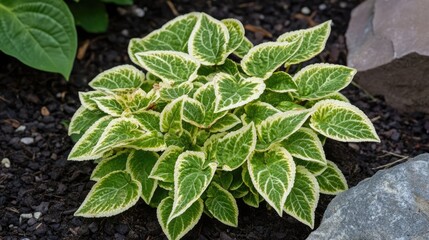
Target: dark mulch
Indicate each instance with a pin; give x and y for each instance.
(41, 180)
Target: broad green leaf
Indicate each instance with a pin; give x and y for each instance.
(120, 77)
(210, 146)
(200, 111)
(305, 144)
(312, 43)
(245, 176)
(279, 126)
(240, 192)
(334, 96)
(139, 101)
(234, 149)
(281, 82)
(172, 36)
(119, 132)
(244, 48)
(86, 99)
(110, 105)
(172, 67)
(83, 119)
(289, 106)
(209, 41)
(320, 80)
(258, 111)
(251, 199)
(164, 167)
(316, 168)
(159, 195)
(236, 33)
(166, 186)
(171, 117)
(229, 67)
(273, 174)
(232, 93)
(302, 200)
(262, 60)
(41, 34)
(83, 149)
(275, 98)
(91, 15)
(332, 180)
(176, 228)
(222, 205)
(237, 180)
(224, 179)
(149, 120)
(225, 123)
(139, 165)
(169, 93)
(342, 121)
(119, 2)
(201, 136)
(191, 178)
(149, 141)
(107, 165)
(183, 140)
(113, 194)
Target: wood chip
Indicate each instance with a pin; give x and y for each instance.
(44, 111)
(308, 19)
(256, 29)
(13, 122)
(82, 49)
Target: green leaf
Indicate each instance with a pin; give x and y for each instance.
(289, 106)
(139, 165)
(281, 82)
(234, 149)
(120, 77)
(119, 2)
(210, 146)
(240, 192)
(184, 140)
(164, 167)
(262, 60)
(316, 168)
(138, 101)
(86, 99)
(342, 121)
(172, 67)
(224, 179)
(171, 117)
(320, 80)
(225, 123)
(245, 176)
(232, 93)
(201, 112)
(191, 178)
(275, 98)
(173, 36)
(257, 112)
(41, 34)
(244, 48)
(332, 180)
(302, 200)
(305, 144)
(209, 41)
(159, 195)
(273, 174)
(110, 105)
(112, 195)
(91, 15)
(119, 132)
(236, 33)
(312, 42)
(149, 141)
(222, 205)
(169, 93)
(83, 119)
(176, 228)
(83, 149)
(251, 199)
(149, 120)
(279, 126)
(107, 165)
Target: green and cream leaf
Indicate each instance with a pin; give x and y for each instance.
(236, 33)
(171, 117)
(225, 123)
(83, 119)
(222, 205)
(110, 164)
(257, 112)
(170, 93)
(164, 167)
(120, 77)
(332, 180)
(281, 82)
(110, 105)
(305, 144)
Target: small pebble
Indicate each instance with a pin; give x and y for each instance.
(20, 129)
(305, 10)
(125, 32)
(322, 7)
(27, 140)
(354, 146)
(5, 162)
(138, 12)
(25, 216)
(37, 215)
(343, 4)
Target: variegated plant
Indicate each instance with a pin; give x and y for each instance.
(201, 130)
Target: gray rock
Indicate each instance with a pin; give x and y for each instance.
(393, 204)
(27, 140)
(388, 44)
(5, 162)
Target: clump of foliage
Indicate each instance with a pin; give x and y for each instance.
(42, 33)
(202, 130)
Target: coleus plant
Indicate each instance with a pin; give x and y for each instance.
(200, 130)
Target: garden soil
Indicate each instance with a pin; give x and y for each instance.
(35, 108)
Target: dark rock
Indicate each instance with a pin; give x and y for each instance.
(42, 207)
(388, 44)
(122, 228)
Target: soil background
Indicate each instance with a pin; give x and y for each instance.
(37, 106)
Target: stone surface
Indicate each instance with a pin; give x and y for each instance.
(388, 43)
(393, 204)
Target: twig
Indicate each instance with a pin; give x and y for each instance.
(172, 8)
(365, 91)
(401, 158)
